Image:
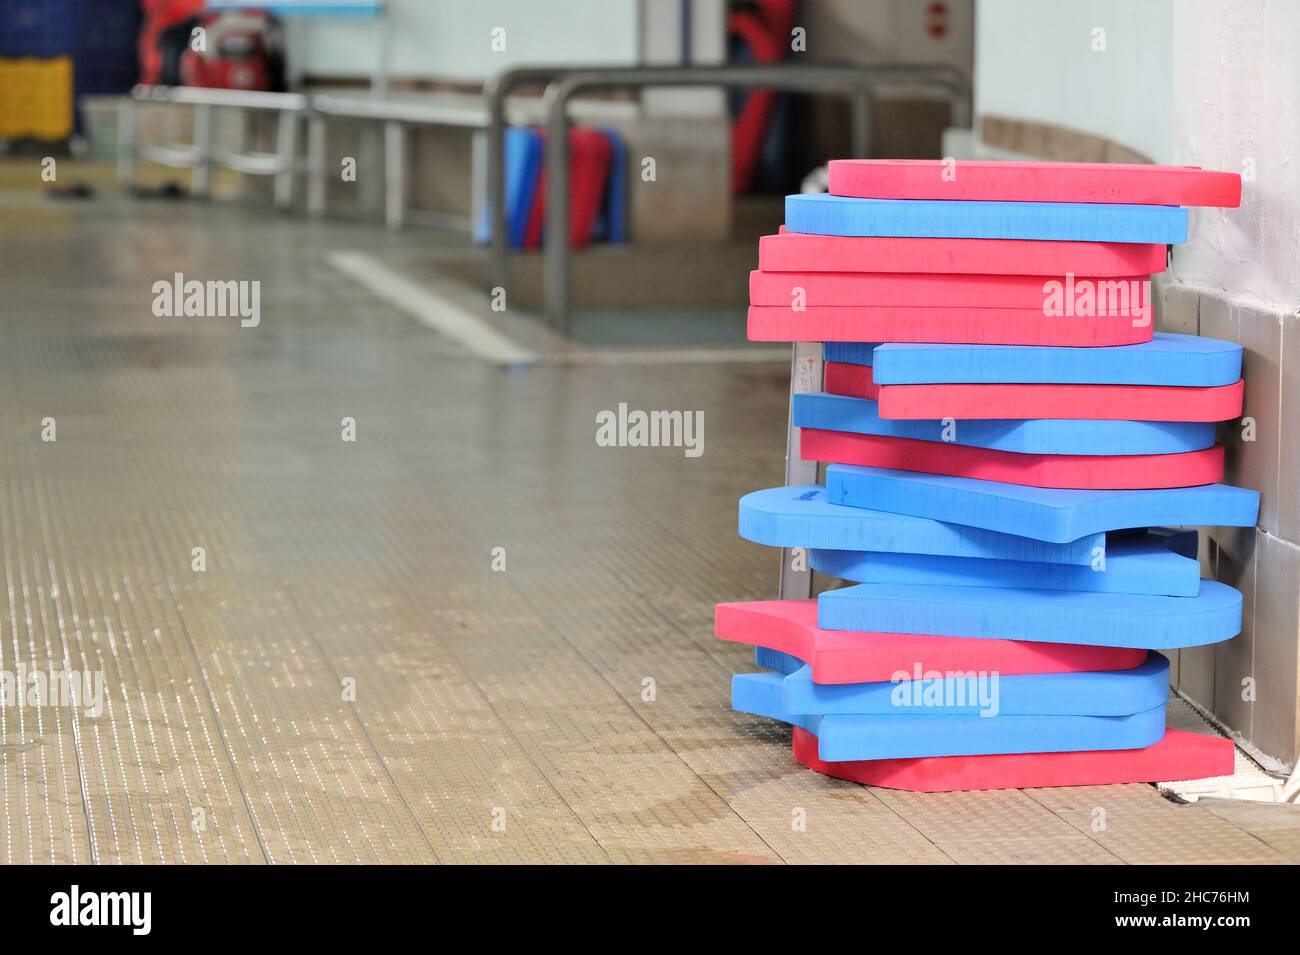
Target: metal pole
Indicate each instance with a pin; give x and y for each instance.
(201, 183)
(796, 579)
(497, 89)
(287, 149)
(316, 165)
(822, 78)
(498, 249)
(126, 144)
(555, 246)
(394, 174)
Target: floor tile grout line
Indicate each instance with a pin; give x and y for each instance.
(201, 678)
(646, 723)
(295, 598)
(78, 762)
(460, 664)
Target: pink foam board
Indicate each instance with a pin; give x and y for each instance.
(799, 252)
(980, 180)
(855, 381)
(1179, 755)
(1100, 472)
(1024, 401)
(838, 656)
(954, 325)
(1093, 402)
(917, 289)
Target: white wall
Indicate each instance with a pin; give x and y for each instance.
(450, 39)
(1236, 96)
(1202, 82)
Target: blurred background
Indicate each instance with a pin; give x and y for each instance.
(730, 155)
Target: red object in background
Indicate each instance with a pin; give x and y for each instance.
(589, 159)
(243, 52)
(767, 34)
(159, 16)
(936, 20)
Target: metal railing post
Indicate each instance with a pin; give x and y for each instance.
(394, 173)
(796, 581)
(316, 165)
(286, 147)
(856, 81)
(498, 89)
(498, 241)
(201, 184)
(126, 142)
(556, 276)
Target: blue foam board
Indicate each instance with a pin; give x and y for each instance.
(849, 353)
(1105, 693)
(1056, 616)
(823, 214)
(802, 517)
(855, 737)
(1133, 564)
(611, 221)
(1031, 436)
(523, 169)
(1049, 514)
(1168, 359)
(776, 660)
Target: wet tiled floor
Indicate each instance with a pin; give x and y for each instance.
(469, 635)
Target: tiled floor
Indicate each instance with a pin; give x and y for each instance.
(350, 679)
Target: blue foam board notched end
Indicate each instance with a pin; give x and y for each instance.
(1057, 616)
(1148, 562)
(803, 517)
(1048, 514)
(823, 214)
(830, 412)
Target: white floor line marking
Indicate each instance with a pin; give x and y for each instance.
(666, 356)
(432, 310)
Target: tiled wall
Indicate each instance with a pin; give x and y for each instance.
(1262, 562)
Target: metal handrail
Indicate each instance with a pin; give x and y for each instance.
(204, 96)
(200, 156)
(399, 111)
(497, 89)
(855, 81)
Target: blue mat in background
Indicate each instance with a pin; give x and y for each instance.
(523, 169)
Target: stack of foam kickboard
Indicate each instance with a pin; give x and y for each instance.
(1010, 452)
(597, 188)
